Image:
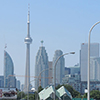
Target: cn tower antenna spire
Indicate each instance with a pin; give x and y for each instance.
(28, 12)
(28, 22)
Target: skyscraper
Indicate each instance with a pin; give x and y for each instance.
(67, 71)
(22, 87)
(28, 41)
(50, 73)
(12, 81)
(18, 84)
(75, 70)
(8, 68)
(60, 67)
(94, 52)
(95, 68)
(41, 63)
(2, 81)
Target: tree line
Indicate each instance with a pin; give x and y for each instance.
(95, 94)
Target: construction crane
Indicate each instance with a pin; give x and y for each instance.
(31, 76)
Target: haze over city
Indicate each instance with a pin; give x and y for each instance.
(60, 24)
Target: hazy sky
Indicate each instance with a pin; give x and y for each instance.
(61, 24)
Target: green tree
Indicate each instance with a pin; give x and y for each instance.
(73, 92)
(20, 95)
(78, 96)
(31, 97)
(85, 95)
(58, 86)
(40, 89)
(95, 94)
(69, 88)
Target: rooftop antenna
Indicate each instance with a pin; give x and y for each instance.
(42, 42)
(5, 46)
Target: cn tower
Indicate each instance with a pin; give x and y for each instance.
(27, 41)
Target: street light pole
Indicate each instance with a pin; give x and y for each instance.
(29, 88)
(64, 96)
(88, 96)
(55, 71)
(39, 76)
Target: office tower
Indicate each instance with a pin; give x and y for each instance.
(18, 84)
(75, 70)
(22, 87)
(8, 68)
(12, 82)
(50, 73)
(94, 52)
(2, 81)
(41, 63)
(28, 41)
(67, 71)
(60, 67)
(95, 68)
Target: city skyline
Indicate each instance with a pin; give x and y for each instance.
(65, 23)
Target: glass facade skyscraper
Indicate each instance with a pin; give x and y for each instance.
(60, 67)
(41, 63)
(1, 81)
(8, 68)
(95, 68)
(18, 84)
(94, 52)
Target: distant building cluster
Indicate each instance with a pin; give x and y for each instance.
(76, 75)
(42, 63)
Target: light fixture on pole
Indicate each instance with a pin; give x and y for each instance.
(88, 96)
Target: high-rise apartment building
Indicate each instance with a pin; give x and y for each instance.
(41, 63)
(74, 70)
(67, 71)
(22, 87)
(12, 82)
(95, 68)
(60, 67)
(94, 52)
(18, 84)
(8, 68)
